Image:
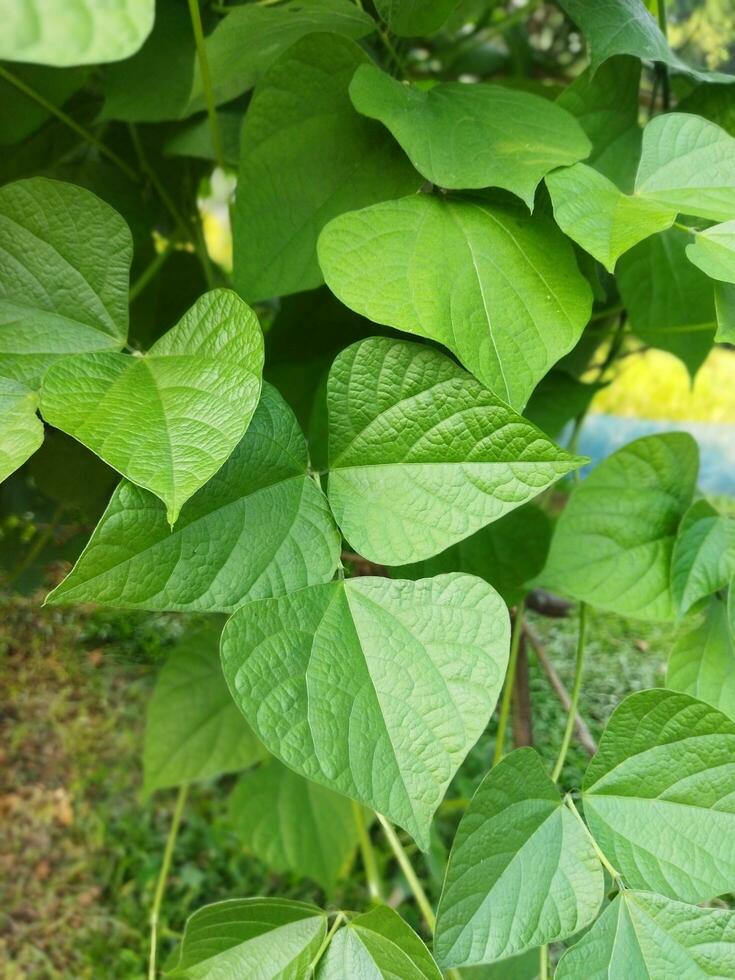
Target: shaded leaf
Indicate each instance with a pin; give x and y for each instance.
(500, 289)
(21, 428)
(522, 871)
(659, 796)
(415, 18)
(702, 661)
(20, 115)
(372, 687)
(421, 455)
(64, 281)
(193, 729)
(557, 400)
(472, 136)
(613, 543)
(642, 936)
(261, 526)
(330, 160)
(167, 420)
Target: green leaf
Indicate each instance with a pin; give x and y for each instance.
(414, 18)
(421, 455)
(500, 289)
(731, 607)
(670, 303)
(261, 526)
(642, 936)
(167, 420)
(330, 160)
(557, 400)
(522, 871)
(21, 115)
(704, 556)
(507, 554)
(725, 313)
(702, 661)
(377, 945)
(374, 688)
(22, 430)
(592, 211)
(193, 729)
(613, 543)
(627, 27)
(293, 824)
(688, 163)
(606, 103)
(249, 39)
(73, 32)
(659, 796)
(472, 136)
(64, 281)
(195, 140)
(250, 937)
(713, 251)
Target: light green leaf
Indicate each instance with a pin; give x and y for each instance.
(374, 688)
(377, 945)
(414, 18)
(627, 27)
(659, 796)
(642, 936)
(421, 455)
(613, 543)
(500, 289)
(713, 251)
(670, 303)
(606, 103)
(702, 661)
(330, 160)
(260, 527)
(250, 937)
(688, 163)
(522, 871)
(704, 556)
(64, 279)
(73, 32)
(725, 312)
(507, 554)
(472, 136)
(193, 729)
(731, 607)
(592, 211)
(21, 430)
(249, 39)
(293, 824)
(167, 420)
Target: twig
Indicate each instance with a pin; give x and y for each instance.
(581, 730)
(515, 642)
(522, 708)
(546, 604)
(576, 689)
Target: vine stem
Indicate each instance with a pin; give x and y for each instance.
(574, 697)
(150, 271)
(196, 23)
(163, 876)
(515, 644)
(338, 920)
(543, 966)
(613, 872)
(76, 127)
(368, 855)
(414, 884)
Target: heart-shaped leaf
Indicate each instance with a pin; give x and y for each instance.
(261, 526)
(522, 871)
(659, 796)
(472, 136)
(613, 543)
(500, 289)
(702, 661)
(169, 419)
(642, 936)
(713, 251)
(704, 555)
(421, 455)
(64, 281)
(372, 687)
(22, 430)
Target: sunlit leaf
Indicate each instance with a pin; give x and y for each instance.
(713, 251)
(702, 661)
(704, 555)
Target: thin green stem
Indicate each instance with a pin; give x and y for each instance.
(339, 918)
(608, 311)
(391, 49)
(613, 872)
(515, 644)
(76, 127)
(682, 227)
(370, 865)
(150, 271)
(574, 697)
(166, 199)
(661, 68)
(414, 884)
(42, 539)
(543, 963)
(163, 876)
(196, 23)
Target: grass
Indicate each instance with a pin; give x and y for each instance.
(83, 849)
